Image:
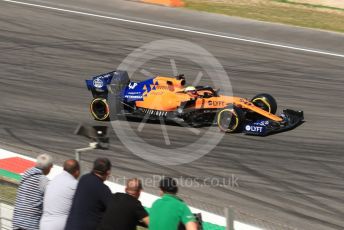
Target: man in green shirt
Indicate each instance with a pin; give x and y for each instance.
(170, 211)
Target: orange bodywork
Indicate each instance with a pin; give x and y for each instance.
(169, 94)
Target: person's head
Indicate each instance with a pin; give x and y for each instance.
(168, 185)
(191, 91)
(102, 168)
(72, 167)
(134, 187)
(45, 163)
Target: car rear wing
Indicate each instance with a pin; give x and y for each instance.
(100, 85)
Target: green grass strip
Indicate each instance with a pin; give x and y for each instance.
(274, 11)
(309, 5)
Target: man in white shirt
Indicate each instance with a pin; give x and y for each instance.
(59, 196)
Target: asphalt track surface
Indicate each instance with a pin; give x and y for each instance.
(293, 178)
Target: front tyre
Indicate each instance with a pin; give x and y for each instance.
(229, 120)
(265, 102)
(100, 109)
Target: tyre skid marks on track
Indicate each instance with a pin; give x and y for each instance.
(288, 186)
(178, 29)
(282, 201)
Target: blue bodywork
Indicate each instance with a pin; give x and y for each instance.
(99, 83)
(263, 127)
(259, 127)
(136, 91)
(131, 91)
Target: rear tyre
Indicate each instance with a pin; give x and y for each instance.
(266, 102)
(230, 120)
(100, 109)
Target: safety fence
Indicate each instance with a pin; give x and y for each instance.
(236, 218)
(6, 212)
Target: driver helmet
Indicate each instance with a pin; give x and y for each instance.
(190, 89)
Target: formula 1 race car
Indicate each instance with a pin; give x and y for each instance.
(114, 95)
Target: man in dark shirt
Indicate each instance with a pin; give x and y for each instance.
(91, 198)
(125, 211)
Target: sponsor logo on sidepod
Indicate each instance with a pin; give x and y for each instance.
(133, 96)
(132, 85)
(254, 128)
(216, 103)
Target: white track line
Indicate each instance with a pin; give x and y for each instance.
(178, 29)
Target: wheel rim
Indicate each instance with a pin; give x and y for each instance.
(100, 109)
(228, 120)
(262, 103)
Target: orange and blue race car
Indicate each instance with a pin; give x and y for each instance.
(168, 98)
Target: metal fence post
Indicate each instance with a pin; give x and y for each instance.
(0, 215)
(229, 215)
(92, 146)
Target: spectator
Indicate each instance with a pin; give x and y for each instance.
(91, 198)
(125, 211)
(169, 211)
(59, 196)
(29, 201)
